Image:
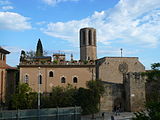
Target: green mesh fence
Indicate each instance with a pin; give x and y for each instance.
(69, 113)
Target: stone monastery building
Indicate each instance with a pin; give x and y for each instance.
(124, 85)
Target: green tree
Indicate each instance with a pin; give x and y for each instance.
(69, 96)
(152, 112)
(24, 98)
(154, 73)
(39, 51)
(97, 89)
(89, 99)
(84, 99)
(60, 97)
(96, 86)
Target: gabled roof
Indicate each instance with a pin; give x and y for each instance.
(4, 51)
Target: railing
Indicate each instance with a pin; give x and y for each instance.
(69, 113)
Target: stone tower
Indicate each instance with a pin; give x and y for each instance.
(39, 51)
(88, 49)
(134, 84)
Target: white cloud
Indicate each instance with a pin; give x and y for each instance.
(41, 23)
(130, 21)
(7, 7)
(54, 2)
(4, 2)
(14, 21)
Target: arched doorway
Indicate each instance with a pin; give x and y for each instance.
(118, 104)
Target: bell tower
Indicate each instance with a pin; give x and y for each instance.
(88, 49)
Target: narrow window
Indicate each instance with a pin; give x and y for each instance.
(40, 79)
(90, 38)
(63, 80)
(4, 57)
(26, 79)
(75, 80)
(84, 40)
(94, 37)
(50, 74)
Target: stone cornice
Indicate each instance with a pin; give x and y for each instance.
(60, 65)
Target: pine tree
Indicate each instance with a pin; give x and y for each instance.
(39, 51)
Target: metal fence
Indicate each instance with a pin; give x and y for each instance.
(69, 113)
(107, 116)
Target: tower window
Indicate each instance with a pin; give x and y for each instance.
(50, 74)
(94, 37)
(63, 80)
(83, 37)
(4, 57)
(90, 37)
(40, 79)
(26, 79)
(75, 80)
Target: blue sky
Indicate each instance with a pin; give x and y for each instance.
(133, 25)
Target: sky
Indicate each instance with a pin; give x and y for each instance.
(133, 25)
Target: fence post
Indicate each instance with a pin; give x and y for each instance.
(17, 115)
(75, 113)
(57, 114)
(38, 114)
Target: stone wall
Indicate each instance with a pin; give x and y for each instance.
(111, 69)
(113, 97)
(82, 73)
(135, 97)
(2, 84)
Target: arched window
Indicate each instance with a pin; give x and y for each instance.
(75, 80)
(63, 80)
(40, 79)
(26, 79)
(50, 74)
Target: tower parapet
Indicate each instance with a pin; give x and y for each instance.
(88, 49)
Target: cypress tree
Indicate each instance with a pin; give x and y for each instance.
(39, 51)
